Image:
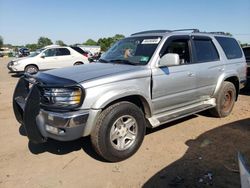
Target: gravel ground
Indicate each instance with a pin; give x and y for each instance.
(198, 151)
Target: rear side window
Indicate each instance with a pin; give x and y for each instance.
(62, 51)
(205, 50)
(230, 47)
(79, 50)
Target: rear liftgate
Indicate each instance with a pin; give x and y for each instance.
(26, 105)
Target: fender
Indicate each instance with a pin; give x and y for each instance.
(112, 96)
(222, 78)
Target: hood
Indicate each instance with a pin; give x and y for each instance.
(20, 58)
(92, 71)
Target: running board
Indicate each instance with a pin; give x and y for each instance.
(172, 115)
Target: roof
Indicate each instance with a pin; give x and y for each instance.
(178, 31)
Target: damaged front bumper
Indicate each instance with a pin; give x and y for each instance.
(41, 124)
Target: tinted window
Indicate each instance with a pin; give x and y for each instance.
(180, 47)
(62, 51)
(50, 52)
(230, 47)
(79, 50)
(205, 50)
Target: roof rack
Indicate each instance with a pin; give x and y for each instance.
(177, 30)
(164, 31)
(217, 32)
(151, 31)
(194, 30)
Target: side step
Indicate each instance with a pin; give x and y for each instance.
(175, 114)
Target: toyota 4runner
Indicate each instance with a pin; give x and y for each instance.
(145, 80)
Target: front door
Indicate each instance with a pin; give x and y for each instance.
(174, 87)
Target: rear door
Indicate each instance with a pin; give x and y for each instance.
(175, 86)
(63, 58)
(207, 65)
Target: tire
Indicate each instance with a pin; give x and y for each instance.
(119, 131)
(78, 63)
(31, 69)
(225, 100)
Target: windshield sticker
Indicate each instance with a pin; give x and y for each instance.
(144, 58)
(151, 41)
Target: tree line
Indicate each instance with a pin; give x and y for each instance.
(104, 43)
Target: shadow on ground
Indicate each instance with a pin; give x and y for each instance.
(62, 148)
(210, 161)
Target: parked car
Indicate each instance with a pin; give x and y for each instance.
(145, 80)
(48, 58)
(23, 52)
(246, 51)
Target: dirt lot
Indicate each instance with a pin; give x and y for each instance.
(183, 153)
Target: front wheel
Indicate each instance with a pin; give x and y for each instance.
(225, 100)
(119, 131)
(31, 69)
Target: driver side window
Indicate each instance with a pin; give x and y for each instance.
(180, 47)
(50, 52)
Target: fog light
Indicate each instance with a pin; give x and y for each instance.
(54, 130)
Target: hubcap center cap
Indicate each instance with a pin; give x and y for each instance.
(122, 131)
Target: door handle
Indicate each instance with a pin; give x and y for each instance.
(190, 74)
(221, 69)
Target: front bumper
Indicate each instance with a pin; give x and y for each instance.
(41, 124)
(12, 68)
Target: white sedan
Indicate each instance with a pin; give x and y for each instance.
(48, 58)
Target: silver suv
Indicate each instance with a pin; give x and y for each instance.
(145, 80)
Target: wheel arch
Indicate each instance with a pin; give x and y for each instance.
(234, 79)
(31, 65)
(80, 62)
(138, 100)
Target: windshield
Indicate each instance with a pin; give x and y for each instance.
(134, 50)
(33, 54)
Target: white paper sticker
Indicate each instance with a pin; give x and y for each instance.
(151, 41)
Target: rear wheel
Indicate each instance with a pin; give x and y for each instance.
(31, 69)
(78, 63)
(225, 100)
(119, 131)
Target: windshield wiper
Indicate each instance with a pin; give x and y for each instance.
(123, 61)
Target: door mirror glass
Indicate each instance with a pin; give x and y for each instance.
(169, 59)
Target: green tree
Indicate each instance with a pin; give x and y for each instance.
(118, 37)
(60, 43)
(43, 41)
(105, 43)
(90, 42)
(1, 41)
(32, 47)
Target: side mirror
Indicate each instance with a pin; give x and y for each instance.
(42, 55)
(169, 59)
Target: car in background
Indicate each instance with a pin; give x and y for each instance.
(23, 52)
(48, 58)
(246, 51)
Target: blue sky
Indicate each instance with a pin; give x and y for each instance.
(75, 21)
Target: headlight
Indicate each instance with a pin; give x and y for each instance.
(15, 62)
(62, 97)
